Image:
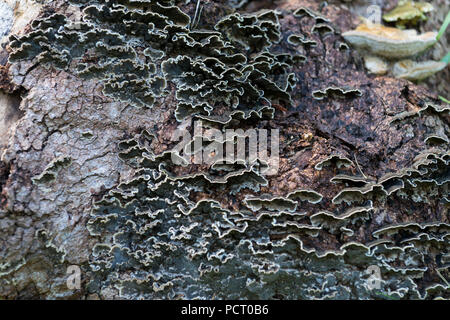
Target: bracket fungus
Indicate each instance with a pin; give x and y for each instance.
(389, 42)
(415, 71)
(376, 65)
(408, 12)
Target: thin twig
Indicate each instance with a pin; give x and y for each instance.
(442, 277)
(195, 15)
(199, 16)
(359, 168)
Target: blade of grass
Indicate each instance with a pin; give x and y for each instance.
(443, 99)
(444, 26)
(446, 59)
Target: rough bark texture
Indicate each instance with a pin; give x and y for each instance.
(86, 176)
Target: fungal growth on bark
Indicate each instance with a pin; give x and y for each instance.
(134, 156)
(408, 12)
(411, 70)
(389, 42)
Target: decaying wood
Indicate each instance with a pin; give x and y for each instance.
(70, 130)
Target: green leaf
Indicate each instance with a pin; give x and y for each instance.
(446, 59)
(444, 26)
(443, 99)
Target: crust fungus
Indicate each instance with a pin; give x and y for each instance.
(296, 40)
(339, 160)
(156, 210)
(51, 170)
(306, 195)
(165, 231)
(340, 223)
(271, 204)
(303, 11)
(356, 181)
(323, 29)
(336, 92)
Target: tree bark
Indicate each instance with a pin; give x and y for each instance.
(87, 180)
